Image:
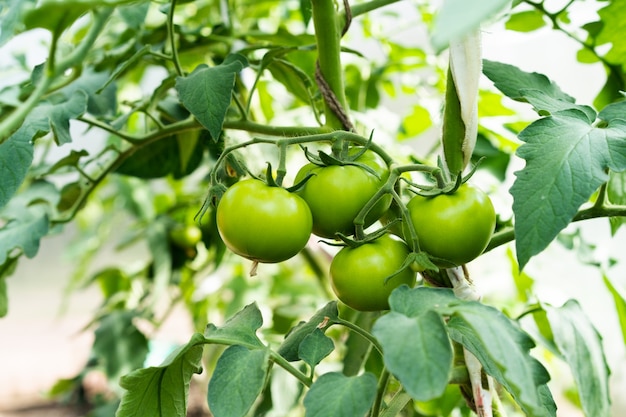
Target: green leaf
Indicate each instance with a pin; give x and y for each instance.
(206, 92)
(101, 98)
(544, 104)
(526, 21)
(57, 15)
(11, 18)
(503, 350)
(305, 11)
(620, 305)
(239, 329)
(237, 381)
(498, 342)
(24, 233)
(456, 18)
(162, 390)
(16, 155)
(172, 155)
(613, 27)
(581, 346)
(616, 193)
(293, 78)
(337, 395)
(418, 301)
(119, 344)
(613, 111)
(315, 347)
(511, 81)
(291, 345)
(417, 351)
(566, 162)
(134, 14)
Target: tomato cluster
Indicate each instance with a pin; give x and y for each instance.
(268, 224)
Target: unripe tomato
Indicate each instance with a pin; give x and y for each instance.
(358, 274)
(185, 235)
(263, 223)
(336, 194)
(453, 227)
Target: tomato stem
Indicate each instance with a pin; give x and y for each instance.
(328, 37)
(383, 381)
(362, 332)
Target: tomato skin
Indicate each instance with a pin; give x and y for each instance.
(358, 274)
(262, 223)
(336, 194)
(454, 227)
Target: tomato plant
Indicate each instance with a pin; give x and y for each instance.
(120, 119)
(263, 223)
(337, 193)
(364, 277)
(454, 228)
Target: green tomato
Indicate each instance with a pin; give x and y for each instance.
(336, 194)
(262, 223)
(358, 275)
(454, 228)
(185, 235)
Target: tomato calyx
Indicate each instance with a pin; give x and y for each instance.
(355, 243)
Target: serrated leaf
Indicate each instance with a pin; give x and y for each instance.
(162, 390)
(291, 345)
(135, 13)
(11, 18)
(566, 162)
(413, 302)
(337, 395)
(417, 351)
(119, 344)
(620, 305)
(452, 25)
(70, 160)
(59, 115)
(612, 30)
(206, 92)
(503, 350)
(613, 111)
(171, 155)
(239, 329)
(315, 347)
(498, 342)
(511, 81)
(57, 15)
(24, 233)
(101, 97)
(237, 381)
(544, 104)
(581, 346)
(16, 155)
(526, 21)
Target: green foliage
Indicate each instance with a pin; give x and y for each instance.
(581, 346)
(142, 114)
(237, 381)
(162, 390)
(335, 394)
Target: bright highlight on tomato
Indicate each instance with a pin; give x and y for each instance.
(262, 223)
(358, 274)
(455, 228)
(336, 194)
